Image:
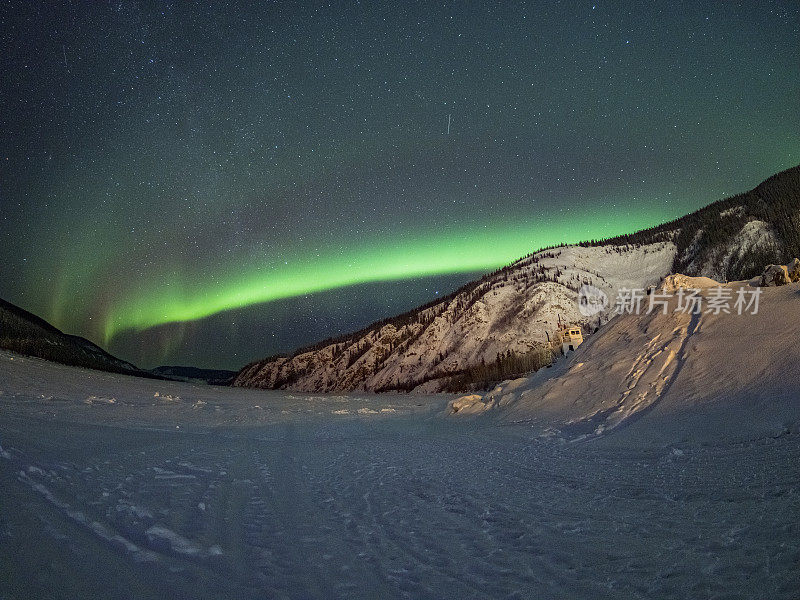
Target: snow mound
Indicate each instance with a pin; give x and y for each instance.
(100, 400)
(470, 404)
(165, 539)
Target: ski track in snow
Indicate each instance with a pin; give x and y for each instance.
(105, 500)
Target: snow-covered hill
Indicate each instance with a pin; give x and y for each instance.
(512, 311)
(501, 323)
(675, 376)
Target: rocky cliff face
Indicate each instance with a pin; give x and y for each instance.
(500, 324)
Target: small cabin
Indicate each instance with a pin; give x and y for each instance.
(571, 338)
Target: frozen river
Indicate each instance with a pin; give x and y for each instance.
(107, 490)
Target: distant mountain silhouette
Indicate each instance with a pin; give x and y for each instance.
(212, 376)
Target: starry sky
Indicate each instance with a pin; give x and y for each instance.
(208, 183)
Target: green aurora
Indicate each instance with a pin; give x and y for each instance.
(182, 297)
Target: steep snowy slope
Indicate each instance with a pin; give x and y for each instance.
(754, 238)
(672, 376)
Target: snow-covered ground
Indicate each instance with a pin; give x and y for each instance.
(109, 490)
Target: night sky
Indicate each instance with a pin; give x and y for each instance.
(209, 183)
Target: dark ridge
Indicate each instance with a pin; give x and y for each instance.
(25, 333)
(211, 376)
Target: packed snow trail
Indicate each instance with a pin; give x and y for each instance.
(328, 497)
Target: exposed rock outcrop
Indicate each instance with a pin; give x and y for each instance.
(793, 269)
(775, 275)
(677, 281)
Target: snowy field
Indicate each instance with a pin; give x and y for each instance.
(109, 491)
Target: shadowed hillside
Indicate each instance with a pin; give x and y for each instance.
(25, 333)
